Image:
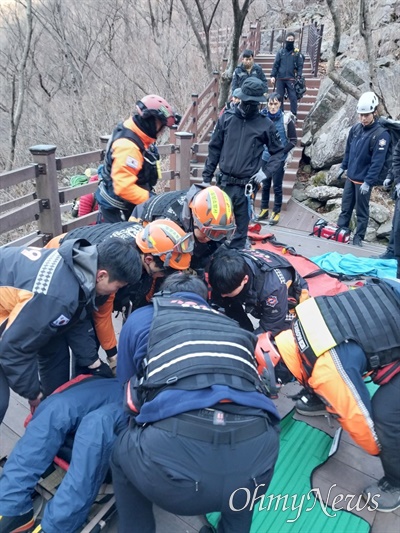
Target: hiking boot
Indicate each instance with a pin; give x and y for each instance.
(310, 405)
(263, 214)
(382, 496)
(274, 218)
(357, 241)
(17, 524)
(386, 255)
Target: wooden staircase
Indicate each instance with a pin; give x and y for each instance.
(304, 107)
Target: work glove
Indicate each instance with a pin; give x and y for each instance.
(397, 190)
(364, 189)
(259, 177)
(340, 174)
(103, 370)
(387, 184)
(205, 184)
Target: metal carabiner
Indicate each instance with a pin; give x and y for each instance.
(248, 190)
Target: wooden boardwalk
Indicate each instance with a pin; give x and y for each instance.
(348, 471)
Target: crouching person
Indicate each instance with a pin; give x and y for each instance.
(260, 283)
(334, 343)
(197, 438)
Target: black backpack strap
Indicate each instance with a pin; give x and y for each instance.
(374, 135)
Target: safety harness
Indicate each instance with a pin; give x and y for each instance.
(215, 352)
(270, 262)
(168, 205)
(348, 316)
(146, 178)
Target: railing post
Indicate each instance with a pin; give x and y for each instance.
(271, 43)
(319, 43)
(172, 157)
(194, 115)
(49, 222)
(215, 97)
(183, 157)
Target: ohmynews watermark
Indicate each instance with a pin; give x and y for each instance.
(303, 503)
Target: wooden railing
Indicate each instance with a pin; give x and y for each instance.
(47, 203)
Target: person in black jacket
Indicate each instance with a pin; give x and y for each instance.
(288, 65)
(366, 150)
(260, 283)
(393, 179)
(237, 144)
(43, 293)
(245, 70)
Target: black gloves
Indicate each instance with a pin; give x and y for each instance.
(103, 370)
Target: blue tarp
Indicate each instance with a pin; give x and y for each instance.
(351, 265)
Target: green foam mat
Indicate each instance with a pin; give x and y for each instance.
(302, 449)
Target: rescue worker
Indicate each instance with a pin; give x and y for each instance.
(131, 165)
(334, 342)
(257, 282)
(366, 150)
(237, 144)
(186, 433)
(43, 293)
(161, 237)
(393, 249)
(287, 67)
(205, 211)
(246, 69)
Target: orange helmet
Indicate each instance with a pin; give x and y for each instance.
(267, 357)
(166, 240)
(153, 105)
(213, 213)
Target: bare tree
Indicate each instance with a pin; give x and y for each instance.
(18, 86)
(204, 44)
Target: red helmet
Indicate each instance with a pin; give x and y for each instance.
(153, 105)
(267, 357)
(213, 213)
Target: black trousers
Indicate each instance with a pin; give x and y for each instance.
(353, 199)
(242, 214)
(386, 416)
(189, 477)
(281, 85)
(112, 215)
(276, 180)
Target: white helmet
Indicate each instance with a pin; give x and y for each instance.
(367, 103)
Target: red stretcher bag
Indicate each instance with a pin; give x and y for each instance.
(322, 228)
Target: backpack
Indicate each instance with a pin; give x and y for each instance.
(300, 87)
(393, 127)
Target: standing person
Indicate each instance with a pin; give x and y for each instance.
(288, 65)
(201, 423)
(245, 70)
(393, 248)
(366, 151)
(205, 211)
(43, 293)
(335, 342)
(236, 145)
(286, 128)
(131, 165)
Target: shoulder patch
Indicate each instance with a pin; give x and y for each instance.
(60, 321)
(382, 142)
(132, 162)
(271, 301)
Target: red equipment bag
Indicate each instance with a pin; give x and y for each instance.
(322, 228)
